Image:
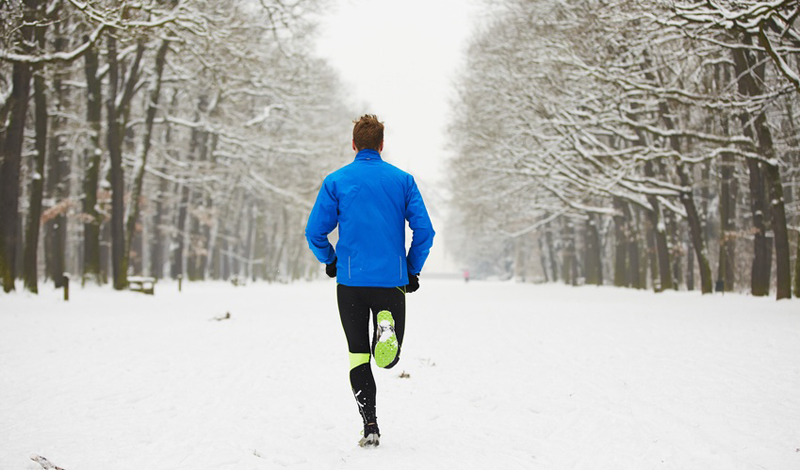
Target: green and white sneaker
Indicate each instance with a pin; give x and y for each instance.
(386, 346)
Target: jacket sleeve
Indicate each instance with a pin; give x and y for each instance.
(421, 228)
(322, 220)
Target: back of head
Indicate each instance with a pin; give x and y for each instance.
(368, 133)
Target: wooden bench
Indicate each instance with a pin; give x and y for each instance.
(146, 285)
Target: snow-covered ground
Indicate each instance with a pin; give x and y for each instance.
(502, 375)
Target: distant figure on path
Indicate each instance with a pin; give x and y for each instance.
(370, 200)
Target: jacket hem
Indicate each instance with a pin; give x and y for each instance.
(351, 283)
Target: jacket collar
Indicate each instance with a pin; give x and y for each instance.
(368, 154)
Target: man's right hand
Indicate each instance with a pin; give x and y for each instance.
(330, 269)
(413, 283)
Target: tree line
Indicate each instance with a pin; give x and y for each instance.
(638, 143)
(161, 137)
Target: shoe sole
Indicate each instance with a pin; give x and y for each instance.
(372, 440)
(386, 346)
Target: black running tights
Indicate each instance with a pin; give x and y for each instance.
(356, 306)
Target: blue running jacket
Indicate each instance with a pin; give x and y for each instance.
(370, 200)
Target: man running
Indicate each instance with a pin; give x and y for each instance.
(370, 200)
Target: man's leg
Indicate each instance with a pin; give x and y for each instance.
(354, 313)
(392, 300)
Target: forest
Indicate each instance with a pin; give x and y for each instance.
(169, 138)
(643, 144)
(648, 144)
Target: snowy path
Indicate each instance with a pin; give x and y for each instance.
(502, 375)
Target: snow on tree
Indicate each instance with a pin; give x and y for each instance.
(585, 114)
(162, 134)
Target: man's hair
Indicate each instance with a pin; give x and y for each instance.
(368, 133)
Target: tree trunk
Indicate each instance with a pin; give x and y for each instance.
(57, 180)
(594, 266)
(797, 268)
(217, 264)
(662, 258)
(92, 217)
(196, 242)
(658, 228)
(251, 230)
(117, 178)
(117, 113)
(690, 266)
(778, 210)
(696, 231)
(198, 233)
(653, 251)
(19, 255)
(543, 258)
(621, 272)
(745, 67)
(209, 222)
(31, 261)
(296, 266)
(636, 277)
(105, 236)
(157, 247)
(10, 173)
(211, 268)
(235, 246)
(760, 272)
(192, 259)
(281, 251)
(675, 245)
(705, 202)
(12, 152)
(136, 255)
(261, 247)
(138, 181)
(687, 199)
(180, 235)
(224, 261)
(662, 250)
(727, 213)
(779, 229)
(551, 249)
(570, 263)
(179, 264)
(206, 238)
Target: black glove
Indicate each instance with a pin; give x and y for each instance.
(330, 269)
(413, 283)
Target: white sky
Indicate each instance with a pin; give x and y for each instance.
(400, 60)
